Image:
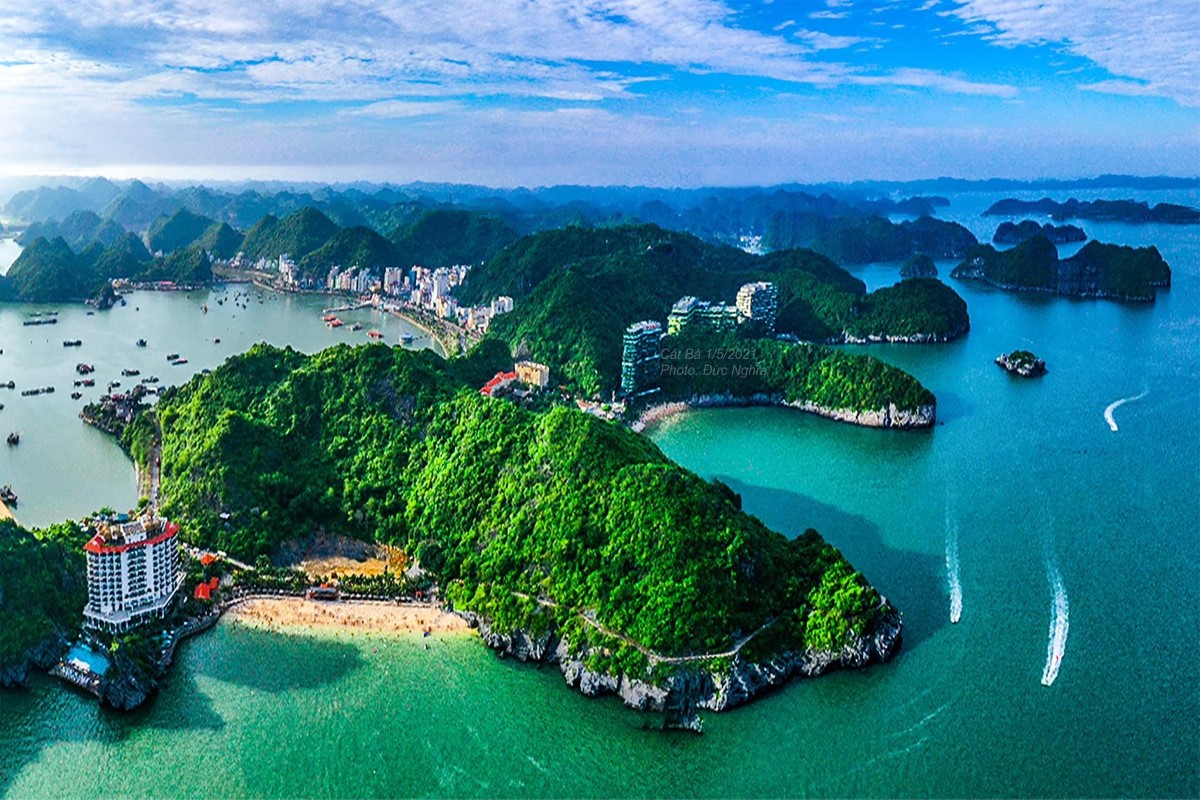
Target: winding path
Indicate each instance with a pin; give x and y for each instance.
(655, 658)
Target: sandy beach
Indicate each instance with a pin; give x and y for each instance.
(374, 617)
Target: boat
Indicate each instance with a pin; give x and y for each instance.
(335, 323)
(356, 326)
(41, 321)
(14, 438)
(129, 373)
(374, 334)
(150, 379)
(141, 342)
(172, 356)
(216, 341)
(114, 384)
(328, 318)
(89, 382)
(406, 338)
(178, 361)
(7, 495)
(9, 385)
(84, 369)
(72, 342)
(76, 395)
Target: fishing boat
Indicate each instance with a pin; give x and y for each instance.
(178, 361)
(374, 334)
(72, 342)
(217, 341)
(84, 369)
(328, 318)
(9, 385)
(129, 373)
(406, 338)
(172, 356)
(76, 395)
(335, 323)
(7, 495)
(89, 382)
(14, 439)
(356, 326)
(141, 342)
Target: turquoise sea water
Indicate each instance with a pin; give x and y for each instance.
(1026, 478)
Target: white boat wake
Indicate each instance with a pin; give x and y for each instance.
(1059, 626)
(953, 582)
(1108, 412)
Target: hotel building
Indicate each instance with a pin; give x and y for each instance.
(641, 358)
(133, 573)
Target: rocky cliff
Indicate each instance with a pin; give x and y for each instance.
(42, 656)
(715, 685)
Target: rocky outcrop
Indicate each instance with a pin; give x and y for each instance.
(889, 417)
(1009, 233)
(694, 686)
(42, 656)
(1023, 363)
(128, 690)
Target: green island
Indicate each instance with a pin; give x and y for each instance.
(1103, 210)
(1097, 270)
(706, 369)
(565, 538)
(576, 289)
(918, 266)
(1015, 233)
(1022, 363)
(865, 238)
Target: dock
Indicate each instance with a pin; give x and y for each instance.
(350, 307)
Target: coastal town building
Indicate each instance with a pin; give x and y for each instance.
(641, 358)
(758, 302)
(132, 571)
(681, 314)
(688, 311)
(532, 373)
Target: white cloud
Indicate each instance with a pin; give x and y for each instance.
(1153, 43)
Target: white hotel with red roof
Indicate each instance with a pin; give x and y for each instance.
(133, 573)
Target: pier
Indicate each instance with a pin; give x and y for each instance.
(347, 307)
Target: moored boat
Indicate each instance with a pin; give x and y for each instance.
(14, 439)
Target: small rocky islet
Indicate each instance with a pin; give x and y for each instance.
(1022, 363)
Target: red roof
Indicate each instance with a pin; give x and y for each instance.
(202, 592)
(500, 378)
(214, 582)
(207, 559)
(97, 545)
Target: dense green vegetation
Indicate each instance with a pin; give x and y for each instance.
(297, 235)
(1009, 233)
(181, 229)
(915, 307)
(79, 229)
(499, 502)
(861, 239)
(43, 586)
(442, 237)
(918, 266)
(1109, 210)
(358, 247)
(700, 362)
(576, 289)
(1097, 270)
(49, 271)
(221, 240)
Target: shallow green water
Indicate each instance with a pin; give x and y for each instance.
(1028, 473)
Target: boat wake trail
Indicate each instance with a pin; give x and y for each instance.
(1108, 412)
(1059, 625)
(953, 582)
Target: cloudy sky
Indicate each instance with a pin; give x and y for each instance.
(658, 92)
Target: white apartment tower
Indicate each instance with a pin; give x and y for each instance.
(133, 573)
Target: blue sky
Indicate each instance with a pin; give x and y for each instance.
(658, 92)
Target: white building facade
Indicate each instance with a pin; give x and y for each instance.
(133, 573)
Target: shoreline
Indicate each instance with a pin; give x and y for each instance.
(889, 418)
(368, 616)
